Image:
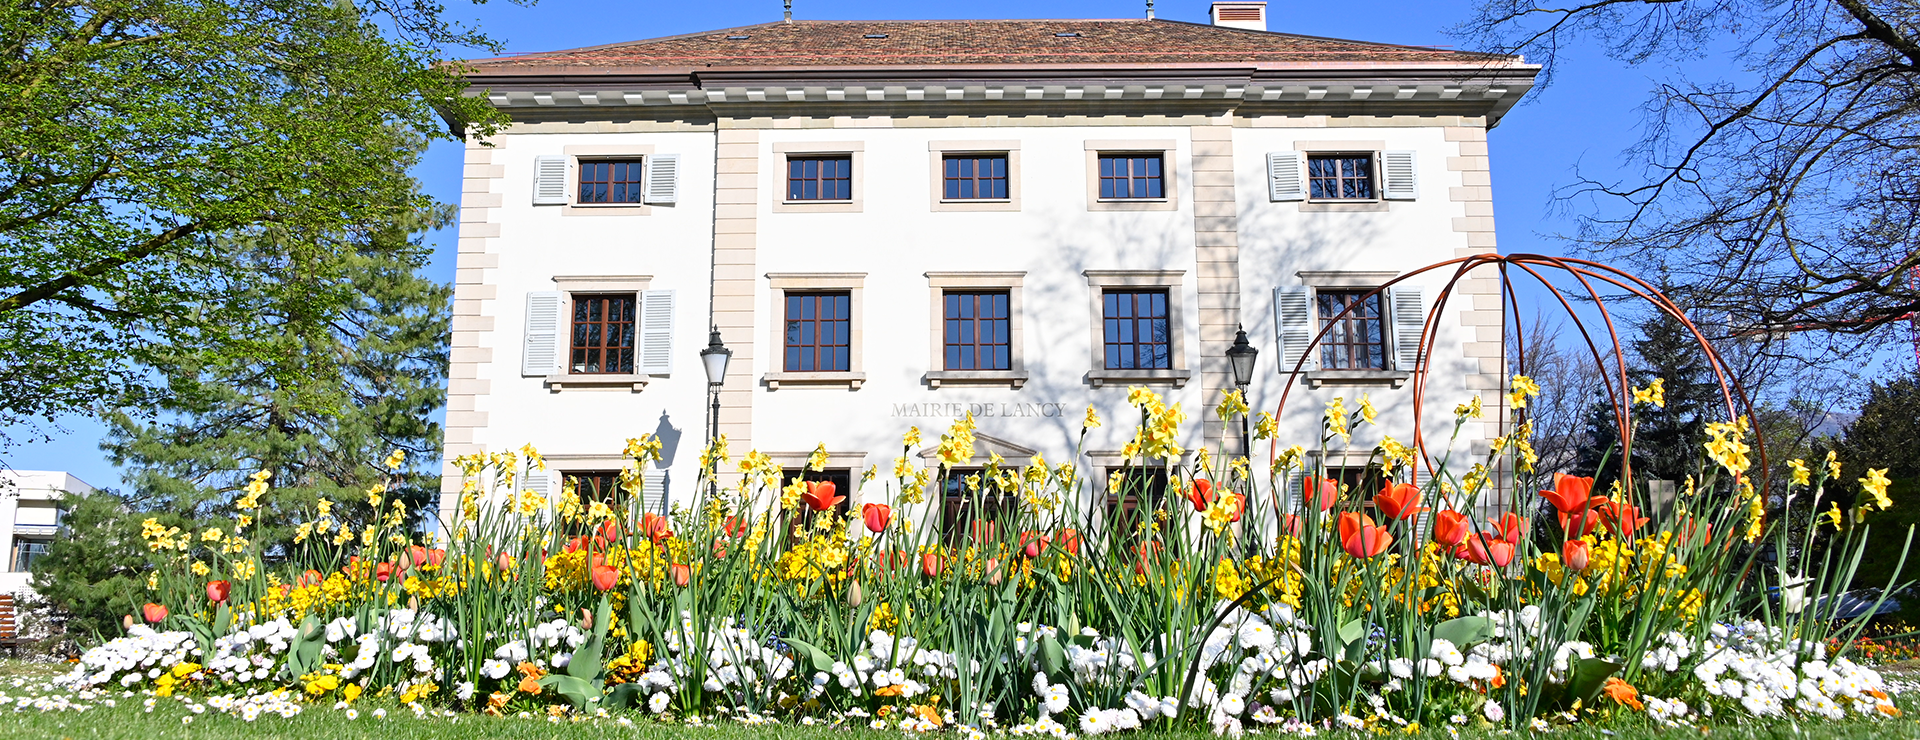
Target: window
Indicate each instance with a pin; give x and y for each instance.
(818, 332)
(823, 177)
(842, 480)
(611, 181)
(975, 177)
(963, 506)
(1340, 177)
(978, 331)
(1357, 340)
(1135, 330)
(1129, 176)
(26, 551)
(603, 334)
(596, 485)
(1141, 490)
(1359, 482)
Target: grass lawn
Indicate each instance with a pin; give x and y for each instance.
(128, 719)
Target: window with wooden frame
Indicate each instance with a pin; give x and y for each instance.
(842, 480)
(1136, 331)
(818, 332)
(596, 485)
(609, 181)
(975, 177)
(603, 334)
(1340, 177)
(963, 505)
(1141, 490)
(979, 330)
(1355, 325)
(1132, 176)
(820, 177)
(1359, 482)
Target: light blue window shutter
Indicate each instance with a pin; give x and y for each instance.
(656, 332)
(662, 185)
(550, 180)
(541, 357)
(1283, 177)
(1409, 321)
(1397, 171)
(1293, 319)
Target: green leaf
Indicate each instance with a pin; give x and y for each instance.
(1589, 675)
(1464, 632)
(1053, 657)
(622, 696)
(579, 691)
(1352, 631)
(222, 621)
(814, 656)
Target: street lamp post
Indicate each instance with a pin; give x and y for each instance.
(714, 358)
(1241, 357)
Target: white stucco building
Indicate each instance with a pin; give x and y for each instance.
(31, 513)
(893, 223)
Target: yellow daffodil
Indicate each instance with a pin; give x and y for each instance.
(1833, 464)
(395, 459)
(1655, 393)
(1521, 388)
(1469, 410)
(1092, 421)
(817, 461)
(1876, 484)
(1801, 475)
(1834, 516)
(1232, 406)
(1368, 413)
(1265, 426)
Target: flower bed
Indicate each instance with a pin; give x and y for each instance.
(1205, 598)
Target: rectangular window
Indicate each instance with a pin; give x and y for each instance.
(1357, 340)
(1140, 491)
(1124, 176)
(603, 330)
(611, 180)
(25, 552)
(976, 177)
(1136, 333)
(819, 333)
(828, 177)
(963, 506)
(1340, 177)
(842, 480)
(1359, 482)
(979, 331)
(596, 485)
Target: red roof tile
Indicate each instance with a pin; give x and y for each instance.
(987, 42)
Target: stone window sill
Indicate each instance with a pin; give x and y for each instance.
(1388, 378)
(1011, 378)
(850, 381)
(1175, 378)
(584, 382)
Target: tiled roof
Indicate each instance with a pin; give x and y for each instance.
(987, 42)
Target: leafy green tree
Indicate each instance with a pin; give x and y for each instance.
(93, 581)
(149, 146)
(1886, 434)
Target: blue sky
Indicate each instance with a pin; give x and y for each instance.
(1584, 120)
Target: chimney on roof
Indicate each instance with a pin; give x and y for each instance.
(1251, 16)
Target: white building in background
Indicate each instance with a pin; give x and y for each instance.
(894, 223)
(32, 513)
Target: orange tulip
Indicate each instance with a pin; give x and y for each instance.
(310, 578)
(1399, 501)
(1622, 519)
(994, 574)
(1351, 523)
(1366, 541)
(608, 531)
(1582, 523)
(733, 526)
(1486, 548)
(819, 496)
(1327, 491)
(1201, 495)
(655, 527)
(1291, 527)
(930, 564)
(604, 576)
(1510, 528)
(576, 544)
(1570, 493)
(876, 516)
(982, 530)
(888, 562)
(1032, 543)
(218, 591)
(682, 574)
(1146, 550)
(154, 613)
(1069, 540)
(1451, 528)
(1576, 554)
(504, 561)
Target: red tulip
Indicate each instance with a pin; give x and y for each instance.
(1201, 495)
(876, 516)
(1032, 543)
(819, 496)
(1291, 527)
(930, 564)
(982, 530)
(382, 572)
(604, 576)
(1146, 550)
(311, 578)
(733, 526)
(1351, 522)
(888, 562)
(682, 574)
(218, 591)
(1399, 501)
(1622, 519)
(576, 544)
(1486, 549)
(1326, 489)
(608, 531)
(1570, 493)
(1069, 540)
(655, 527)
(416, 557)
(1367, 541)
(1576, 554)
(1451, 528)
(1510, 528)
(154, 613)
(1582, 523)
